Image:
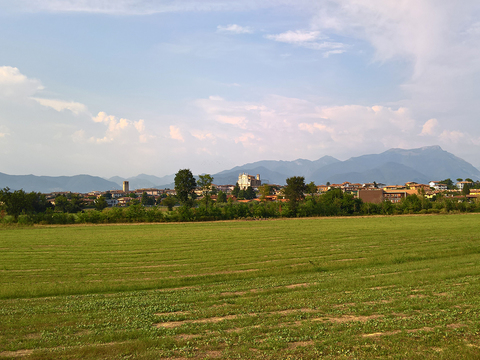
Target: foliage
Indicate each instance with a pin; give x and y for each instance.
(250, 193)
(205, 184)
(236, 190)
(101, 203)
(19, 202)
(147, 200)
(169, 202)
(221, 197)
(185, 185)
(294, 191)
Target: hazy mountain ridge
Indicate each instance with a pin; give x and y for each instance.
(47, 184)
(392, 167)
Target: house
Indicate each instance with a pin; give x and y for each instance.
(117, 194)
(123, 201)
(415, 186)
(461, 184)
(437, 185)
(245, 180)
(371, 195)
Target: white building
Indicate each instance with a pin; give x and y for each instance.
(245, 180)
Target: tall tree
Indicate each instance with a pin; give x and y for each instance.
(311, 188)
(101, 203)
(250, 193)
(221, 197)
(236, 190)
(265, 190)
(185, 185)
(294, 191)
(205, 183)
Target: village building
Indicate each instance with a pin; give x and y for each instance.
(437, 185)
(245, 180)
(462, 184)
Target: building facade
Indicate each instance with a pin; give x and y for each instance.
(245, 180)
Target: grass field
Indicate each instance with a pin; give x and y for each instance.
(405, 287)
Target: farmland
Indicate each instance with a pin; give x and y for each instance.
(351, 288)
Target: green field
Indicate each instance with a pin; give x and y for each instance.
(404, 287)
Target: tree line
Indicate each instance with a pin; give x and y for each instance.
(301, 201)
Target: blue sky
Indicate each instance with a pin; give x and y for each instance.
(127, 87)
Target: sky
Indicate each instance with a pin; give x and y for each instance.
(123, 87)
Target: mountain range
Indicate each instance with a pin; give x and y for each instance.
(392, 167)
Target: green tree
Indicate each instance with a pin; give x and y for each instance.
(101, 203)
(185, 185)
(265, 190)
(236, 190)
(147, 199)
(311, 188)
(107, 195)
(294, 191)
(449, 183)
(221, 197)
(76, 204)
(205, 184)
(18, 202)
(13, 202)
(61, 203)
(466, 190)
(169, 202)
(241, 195)
(250, 193)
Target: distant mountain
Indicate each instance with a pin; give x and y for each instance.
(143, 181)
(395, 166)
(276, 172)
(47, 184)
(392, 167)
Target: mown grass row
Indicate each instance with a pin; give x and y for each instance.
(358, 288)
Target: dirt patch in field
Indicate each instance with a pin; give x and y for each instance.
(234, 293)
(187, 336)
(351, 259)
(292, 311)
(386, 333)
(173, 313)
(344, 305)
(348, 318)
(296, 344)
(382, 287)
(378, 302)
(18, 353)
(412, 331)
(213, 354)
(416, 296)
(216, 319)
(293, 286)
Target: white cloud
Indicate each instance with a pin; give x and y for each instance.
(176, 134)
(118, 128)
(239, 121)
(61, 105)
(298, 37)
(15, 84)
(202, 135)
(234, 29)
(310, 40)
(429, 127)
(452, 136)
